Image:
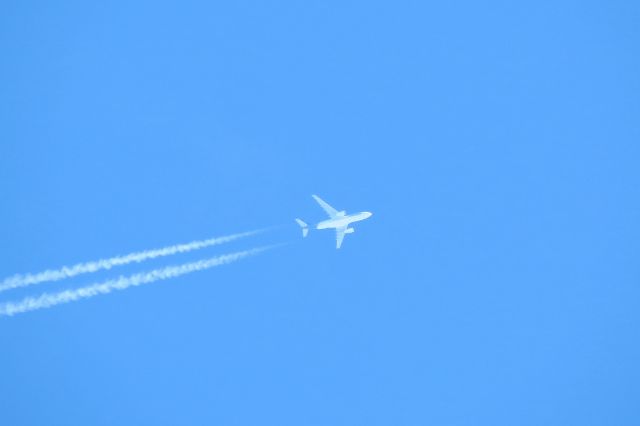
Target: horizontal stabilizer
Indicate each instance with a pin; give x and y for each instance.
(305, 228)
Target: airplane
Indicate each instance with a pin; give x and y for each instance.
(338, 220)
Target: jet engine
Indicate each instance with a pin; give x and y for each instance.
(349, 231)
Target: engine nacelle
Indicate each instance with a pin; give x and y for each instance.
(349, 231)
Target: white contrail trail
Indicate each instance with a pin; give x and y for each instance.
(47, 300)
(19, 280)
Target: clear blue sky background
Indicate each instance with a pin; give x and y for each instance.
(496, 143)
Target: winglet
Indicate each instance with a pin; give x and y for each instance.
(305, 228)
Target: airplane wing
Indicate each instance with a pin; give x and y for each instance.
(340, 236)
(327, 208)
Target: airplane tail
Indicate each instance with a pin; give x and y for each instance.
(304, 226)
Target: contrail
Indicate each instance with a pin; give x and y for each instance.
(86, 267)
(47, 300)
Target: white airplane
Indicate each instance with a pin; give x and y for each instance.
(339, 220)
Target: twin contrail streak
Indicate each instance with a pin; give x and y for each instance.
(86, 267)
(47, 300)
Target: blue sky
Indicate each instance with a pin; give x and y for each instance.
(496, 144)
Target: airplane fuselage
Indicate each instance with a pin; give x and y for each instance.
(343, 220)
